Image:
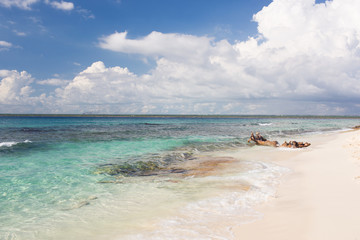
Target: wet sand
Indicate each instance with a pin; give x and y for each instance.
(319, 199)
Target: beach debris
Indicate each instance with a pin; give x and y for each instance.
(356, 127)
(295, 144)
(260, 140)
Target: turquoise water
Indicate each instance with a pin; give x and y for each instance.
(99, 176)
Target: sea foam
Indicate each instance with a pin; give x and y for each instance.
(265, 124)
(214, 217)
(10, 144)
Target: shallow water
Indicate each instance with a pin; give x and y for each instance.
(96, 178)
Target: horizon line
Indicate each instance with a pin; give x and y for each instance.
(177, 115)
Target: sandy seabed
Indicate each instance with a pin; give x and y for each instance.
(319, 199)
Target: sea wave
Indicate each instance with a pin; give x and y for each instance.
(11, 144)
(265, 124)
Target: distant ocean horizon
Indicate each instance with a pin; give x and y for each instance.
(175, 115)
(67, 176)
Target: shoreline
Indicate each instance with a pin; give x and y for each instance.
(319, 199)
(306, 201)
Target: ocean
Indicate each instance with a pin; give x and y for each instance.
(156, 177)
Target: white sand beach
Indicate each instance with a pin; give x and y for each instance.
(319, 199)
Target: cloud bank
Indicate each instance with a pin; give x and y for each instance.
(304, 60)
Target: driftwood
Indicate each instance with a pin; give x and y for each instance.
(295, 144)
(260, 140)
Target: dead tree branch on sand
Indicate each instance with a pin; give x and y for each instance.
(260, 140)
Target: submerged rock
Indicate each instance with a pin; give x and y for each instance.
(139, 168)
(110, 181)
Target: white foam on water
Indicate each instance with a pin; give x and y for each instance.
(11, 144)
(8, 144)
(286, 149)
(214, 217)
(265, 124)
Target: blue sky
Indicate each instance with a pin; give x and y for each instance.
(51, 41)
(180, 57)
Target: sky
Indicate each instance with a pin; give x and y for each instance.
(297, 57)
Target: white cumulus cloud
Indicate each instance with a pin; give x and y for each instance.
(99, 85)
(329, 29)
(14, 86)
(62, 5)
(23, 4)
(18, 96)
(171, 45)
(53, 82)
(4, 45)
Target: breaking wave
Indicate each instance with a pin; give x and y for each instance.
(265, 124)
(11, 144)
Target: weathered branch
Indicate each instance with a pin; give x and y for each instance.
(260, 140)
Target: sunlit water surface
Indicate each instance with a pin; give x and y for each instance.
(118, 178)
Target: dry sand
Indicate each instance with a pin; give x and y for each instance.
(320, 199)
